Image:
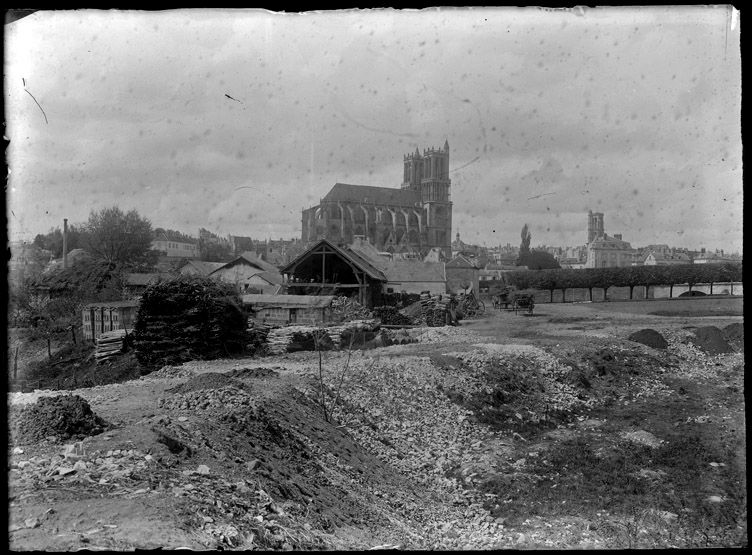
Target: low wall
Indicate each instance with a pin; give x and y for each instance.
(582, 294)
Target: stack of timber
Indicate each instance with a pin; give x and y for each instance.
(280, 340)
(429, 310)
(350, 328)
(110, 344)
(294, 338)
(258, 334)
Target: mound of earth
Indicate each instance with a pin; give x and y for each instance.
(64, 416)
(212, 380)
(649, 337)
(734, 334)
(253, 373)
(710, 340)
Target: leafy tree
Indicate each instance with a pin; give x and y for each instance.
(214, 252)
(53, 240)
(118, 238)
(550, 281)
(524, 245)
(538, 260)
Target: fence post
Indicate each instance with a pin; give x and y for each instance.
(15, 364)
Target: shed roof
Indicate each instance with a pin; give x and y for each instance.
(363, 264)
(204, 268)
(289, 301)
(113, 304)
(460, 261)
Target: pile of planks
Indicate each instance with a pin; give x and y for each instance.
(110, 344)
(429, 310)
(335, 332)
(278, 340)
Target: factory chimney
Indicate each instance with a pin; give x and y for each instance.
(65, 242)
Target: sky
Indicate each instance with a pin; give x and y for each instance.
(236, 120)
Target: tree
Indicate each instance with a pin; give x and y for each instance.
(118, 238)
(524, 245)
(538, 260)
(53, 240)
(214, 252)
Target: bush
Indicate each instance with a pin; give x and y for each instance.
(189, 317)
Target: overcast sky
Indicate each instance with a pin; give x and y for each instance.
(237, 120)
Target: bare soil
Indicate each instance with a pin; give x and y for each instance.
(551, 431)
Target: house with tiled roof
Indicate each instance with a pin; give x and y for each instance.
(198, 267)
(411, 275)
(666, 259)
(462, 273)
(250, 274)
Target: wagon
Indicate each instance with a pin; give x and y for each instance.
(523, 302)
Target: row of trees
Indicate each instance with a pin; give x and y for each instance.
(634, 276)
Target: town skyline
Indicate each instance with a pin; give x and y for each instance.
(629, 112)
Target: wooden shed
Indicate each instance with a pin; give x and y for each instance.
(289, 309)
(328, 269)
(98, 318)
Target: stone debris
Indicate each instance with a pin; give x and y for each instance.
(641, 437)
(224, 398)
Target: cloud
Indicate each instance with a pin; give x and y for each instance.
(633, 112)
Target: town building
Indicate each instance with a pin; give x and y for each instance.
(603, 250)
(666, 258)
(462, 274)
(413, 218)
(404, 273)
(98, 318)
(171, 248)
(289, 309)
(250, 274)
(198, 267)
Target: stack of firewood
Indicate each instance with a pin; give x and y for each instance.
(110, 344)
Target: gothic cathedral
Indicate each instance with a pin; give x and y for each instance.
(414, 218)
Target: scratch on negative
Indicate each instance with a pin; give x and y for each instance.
(466, 165)
(40, 107)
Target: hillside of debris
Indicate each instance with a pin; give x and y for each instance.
(449, 442)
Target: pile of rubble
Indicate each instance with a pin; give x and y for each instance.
(208, 399)
(213, 391)
(61, 416)
(231, 514)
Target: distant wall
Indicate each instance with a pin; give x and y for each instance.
(638, 293)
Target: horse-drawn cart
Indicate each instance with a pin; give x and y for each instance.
(518, 301)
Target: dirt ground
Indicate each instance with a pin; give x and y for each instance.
(552, 430)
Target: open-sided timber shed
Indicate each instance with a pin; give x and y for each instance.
(326, 269)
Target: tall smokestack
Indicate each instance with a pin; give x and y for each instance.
(65, 242)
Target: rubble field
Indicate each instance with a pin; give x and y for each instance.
(504, 432)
